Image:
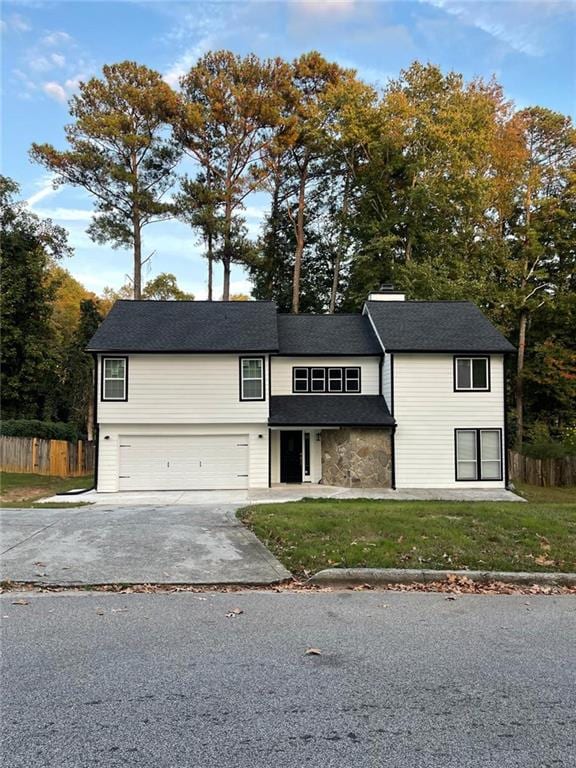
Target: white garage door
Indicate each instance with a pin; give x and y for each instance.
(174, 463)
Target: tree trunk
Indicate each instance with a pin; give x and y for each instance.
(340, 246)
(137, 233)
(299, 227)
(519, 380)
(210, 266)
(137, 258)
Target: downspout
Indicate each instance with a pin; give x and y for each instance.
(505, 358)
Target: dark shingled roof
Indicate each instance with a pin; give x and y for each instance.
(329, 411)
(326, 335)
(188, 326)
(435, 326)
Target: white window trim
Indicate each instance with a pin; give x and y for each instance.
(470, 359)
(244, 379)
(123, 379)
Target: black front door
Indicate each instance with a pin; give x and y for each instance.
(291, 456)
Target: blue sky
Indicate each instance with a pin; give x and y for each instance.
(48, 47)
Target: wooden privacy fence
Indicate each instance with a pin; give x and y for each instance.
(46, 457)
(544, 472)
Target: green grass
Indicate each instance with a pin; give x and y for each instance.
(22, 490)
(538, 495)
(310, 535)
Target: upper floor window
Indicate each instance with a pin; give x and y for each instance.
(251, 378)
(326, 379)
(471, 374)
(114, 378)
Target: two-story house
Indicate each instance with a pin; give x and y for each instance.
(224, 395)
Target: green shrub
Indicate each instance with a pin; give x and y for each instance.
(48, 430)
(542, 445)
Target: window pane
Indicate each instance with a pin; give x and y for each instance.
(252, 389)
(466, 445)
(466, 470)
(114, 389)
(300, 379)
(490, 470)
(318, 383)
(352, 380)
(463, 380)
(335, 379)
(490, 445)
(252, 368)
(114, 369)
(480, 374)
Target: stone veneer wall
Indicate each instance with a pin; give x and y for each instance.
(357, 458)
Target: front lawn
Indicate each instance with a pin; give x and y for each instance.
(310, 535)
(19, 489)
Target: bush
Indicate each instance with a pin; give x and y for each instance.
(542, 445)
(48, 430)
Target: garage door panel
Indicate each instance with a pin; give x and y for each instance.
(193, 462)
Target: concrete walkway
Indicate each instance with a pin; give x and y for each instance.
(204, 544)
(283, 493)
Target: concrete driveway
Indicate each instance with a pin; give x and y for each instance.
(202, 544)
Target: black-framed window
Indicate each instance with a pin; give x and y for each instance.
(252, 378)
(115, 378)
(300, 380)
(471, 374)
(332, 379)
(478, 454)
(317, 379)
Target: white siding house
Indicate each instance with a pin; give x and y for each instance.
(218, 395)
(428, 411)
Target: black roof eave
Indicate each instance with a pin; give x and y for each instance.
(125, 351)
(317, 423)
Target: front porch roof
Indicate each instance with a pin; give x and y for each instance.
(329, 411)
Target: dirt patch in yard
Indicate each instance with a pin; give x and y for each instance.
(25, 494)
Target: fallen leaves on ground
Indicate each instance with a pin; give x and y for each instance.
(21, 601)
(313, 652)
(234, 612)
(454, 584)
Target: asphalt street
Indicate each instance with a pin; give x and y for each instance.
(172, 681)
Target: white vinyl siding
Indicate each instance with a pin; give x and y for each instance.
(110, 440)
(282, 374)
(428, 412)
(190, 389)
(387, 364)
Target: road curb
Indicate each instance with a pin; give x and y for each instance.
(347, 577)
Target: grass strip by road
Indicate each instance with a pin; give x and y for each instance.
(22, 490)
(307, 536)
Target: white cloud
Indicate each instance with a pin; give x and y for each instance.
(19, 23)
(324, 7)
(64, 214)
(187, 60)
(55, 91)
(521, 25)
(56, 38)
(58, 59)
(45, 189)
